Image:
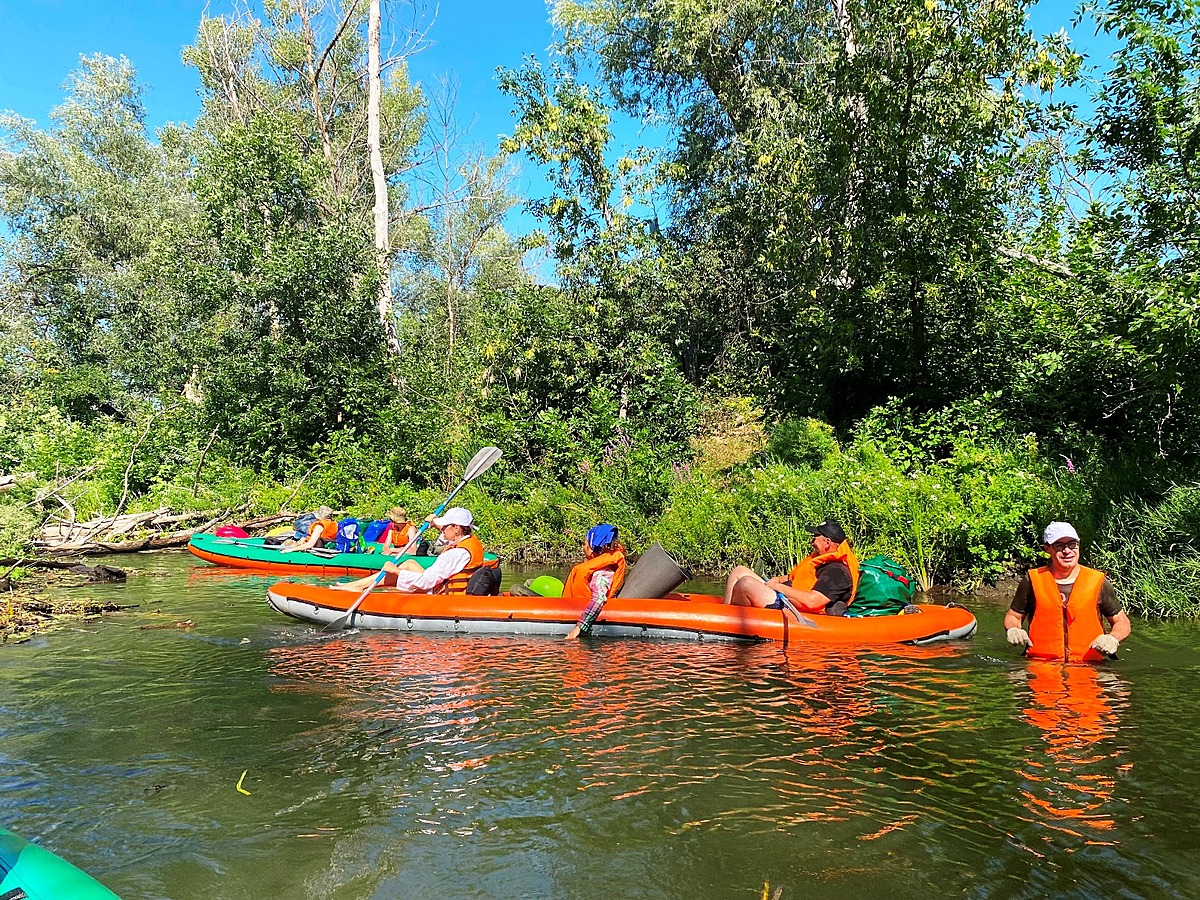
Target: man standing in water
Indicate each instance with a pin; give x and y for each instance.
(822, 582)
(1063, 604)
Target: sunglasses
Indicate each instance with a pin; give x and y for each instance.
(1064, 545)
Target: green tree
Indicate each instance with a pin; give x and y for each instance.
(307, 61)
(95, 208)
(846, 164)
(295, 349)
(620, 318)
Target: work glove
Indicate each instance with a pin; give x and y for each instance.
(1018, 637)
(1106, 644)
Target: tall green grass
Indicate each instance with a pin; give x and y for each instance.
(966, 519)
(1151, 551)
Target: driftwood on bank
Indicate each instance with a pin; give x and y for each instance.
(98, 574)
(134, 532)
(21, 562)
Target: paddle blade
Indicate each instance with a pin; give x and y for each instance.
(481, 462)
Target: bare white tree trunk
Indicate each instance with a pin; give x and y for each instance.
(858, 126)
(382, 241)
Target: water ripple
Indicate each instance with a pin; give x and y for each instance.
(384, 765)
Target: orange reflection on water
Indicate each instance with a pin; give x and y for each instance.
(857, 716)
(1071, 774)
(769, 737)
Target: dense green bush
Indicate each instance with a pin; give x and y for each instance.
(1151, 550)
(801, 442)
(964, 506)
(16, 529)
(966, 518)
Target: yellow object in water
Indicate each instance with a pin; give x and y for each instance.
(242, 790)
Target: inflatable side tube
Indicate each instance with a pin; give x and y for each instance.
(28, 871)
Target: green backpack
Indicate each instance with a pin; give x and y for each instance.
(884, 588)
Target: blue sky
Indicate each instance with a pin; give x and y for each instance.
(43, 40)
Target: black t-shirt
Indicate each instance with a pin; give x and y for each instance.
(1024, 601)
(833, 580)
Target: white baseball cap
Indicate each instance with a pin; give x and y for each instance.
(455, 515)
(1056, 531)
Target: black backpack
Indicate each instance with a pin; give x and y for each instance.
(485, 582)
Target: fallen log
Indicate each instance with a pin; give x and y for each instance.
(22, 562)
(9, 481)
(99, 572)
(189, 516)
(186, 623)
(81, 538)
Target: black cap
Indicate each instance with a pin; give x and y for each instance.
(829, 529)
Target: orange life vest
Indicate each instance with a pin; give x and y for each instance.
(328, 529)
(1065, 631)
(457, 583)
(577, 588)
(804, 576)
(400, 535)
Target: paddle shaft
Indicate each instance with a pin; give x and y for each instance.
(477, 466)
(315, 551)
(791, 607)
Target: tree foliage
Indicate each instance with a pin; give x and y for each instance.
(885, 213)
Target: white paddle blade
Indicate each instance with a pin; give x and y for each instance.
(481, 462)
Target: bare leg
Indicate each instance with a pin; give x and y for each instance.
(752, 591)
(359, 584)
(362, 584)
(738, 573)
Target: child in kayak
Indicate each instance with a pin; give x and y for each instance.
(598, 577)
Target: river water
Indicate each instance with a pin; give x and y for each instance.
(387, 766)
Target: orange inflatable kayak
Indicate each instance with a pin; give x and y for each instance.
(680, 616)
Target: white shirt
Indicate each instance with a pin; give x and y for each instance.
(449, 562)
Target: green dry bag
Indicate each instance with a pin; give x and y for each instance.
(884, 588)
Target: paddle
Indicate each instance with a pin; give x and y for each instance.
(315, 551)
(480, 463)
(790, 606)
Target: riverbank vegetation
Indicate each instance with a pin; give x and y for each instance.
(930, 273)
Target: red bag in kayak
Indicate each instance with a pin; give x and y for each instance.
(232, 531)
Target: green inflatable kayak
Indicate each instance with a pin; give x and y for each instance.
(28, 871)
(253, 554)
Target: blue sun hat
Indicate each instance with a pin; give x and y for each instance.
(601, 537)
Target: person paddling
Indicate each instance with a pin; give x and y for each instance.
(450, 572)
(822, 582)
(597, 578)
(1063, 603)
